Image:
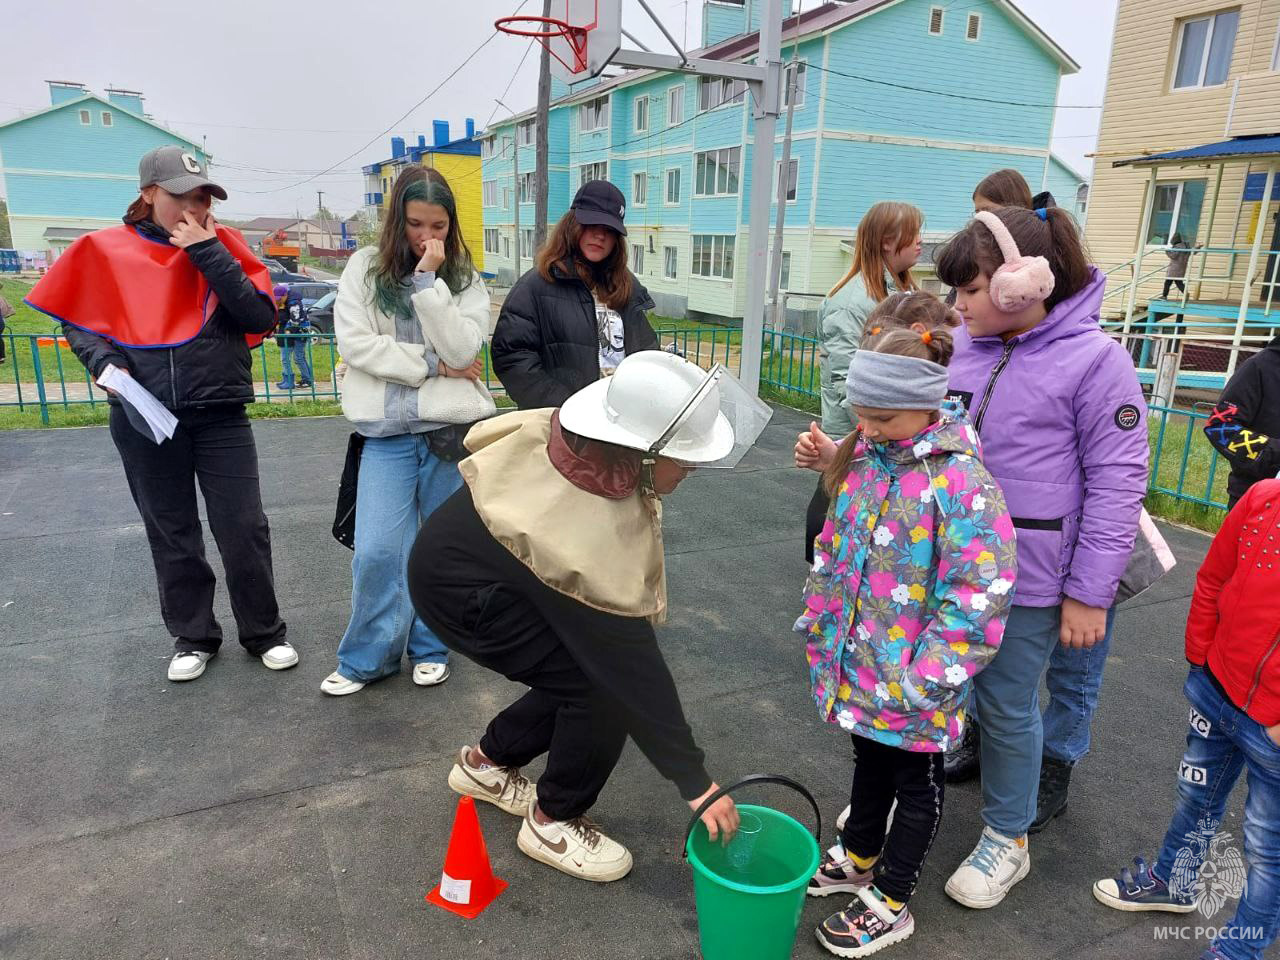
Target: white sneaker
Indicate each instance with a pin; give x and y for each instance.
(429, 674)
(576, 847)
(996, 864)
(504, 787)
(188, 665)
(336, 685)
(280, 657)
(842, 819)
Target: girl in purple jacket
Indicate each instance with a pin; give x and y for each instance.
(1061, 417)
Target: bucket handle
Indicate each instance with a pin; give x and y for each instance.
(751, 780)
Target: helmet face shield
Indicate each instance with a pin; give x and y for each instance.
(719, 400)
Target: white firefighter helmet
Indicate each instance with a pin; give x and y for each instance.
(658, 403)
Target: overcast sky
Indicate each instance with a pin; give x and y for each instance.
(282, 92)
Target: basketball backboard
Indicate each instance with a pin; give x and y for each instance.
(578, 57)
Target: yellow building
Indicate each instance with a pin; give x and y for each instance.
(457, 160)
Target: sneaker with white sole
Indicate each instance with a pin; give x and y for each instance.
(430, 674)
(843, 818)
(1139, 890)
(336, 685)
(504, 787)
(576, 847)
(280, 657)
(988, 874)
(188, 664)
(866, 926)
(837, 873)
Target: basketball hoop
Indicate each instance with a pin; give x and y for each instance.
(547, 29)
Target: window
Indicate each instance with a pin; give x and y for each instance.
(1082, 201)
(637, 258)
(525, 185)
(489, 189)
(594, 171)
(490, 239)
(717, 91)
(717, 172)
(935, 21)
(974, 27)
(675, 106)
(673, 185)
(793, 175)
(506, 247)
(642, 114)
(85, 118)
(670, 257)
(526, 243)
(1275, 54)
(713, 256)
(486, 149)
(639, 189)
(526, 132)
(1204, 50)
(1176, 210)
(784, 275)
(594, 114)
(106, 118)
(801, 70)
(506, 198)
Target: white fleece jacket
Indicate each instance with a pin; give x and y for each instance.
(453, 327)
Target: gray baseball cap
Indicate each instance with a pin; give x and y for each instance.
(176, 170)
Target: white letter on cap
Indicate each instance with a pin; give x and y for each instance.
(191, 163)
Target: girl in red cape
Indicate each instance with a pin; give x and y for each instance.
(176, 301)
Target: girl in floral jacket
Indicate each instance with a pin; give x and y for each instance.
(907, 600)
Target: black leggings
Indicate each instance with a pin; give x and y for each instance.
(882, 775)
(814, 517)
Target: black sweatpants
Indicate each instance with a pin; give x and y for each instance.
(884, 774)
(595, 677)
(814, 518)
(215, 447)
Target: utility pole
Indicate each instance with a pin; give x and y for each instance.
(784, 180)
(324, 221)
(515, 170)
(540, 176)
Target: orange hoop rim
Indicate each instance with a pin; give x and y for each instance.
(563, 28)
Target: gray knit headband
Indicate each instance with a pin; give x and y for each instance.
(888, 381)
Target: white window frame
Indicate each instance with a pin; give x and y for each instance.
(802, 78)
(486, 147)
(107, 119)
(506, 246)
(1275, 52)
(784, 271)
(600, 166)
(598, 109)
(675, 105)
(635, 114)
(489, 193)
(670, 262)
(506, 198)
(637, 258)
(86, 118)
(973, 24)
(639, 188)
(727, 93)
(527, 242)
(491, 240)
(721, 256)
(1212, 19)
(719, 159)
(526, 187)
(1177, 209)
(529, 138)
(777, 176)
(941, 13)
(668, 201)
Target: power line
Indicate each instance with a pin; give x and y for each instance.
(957, 96)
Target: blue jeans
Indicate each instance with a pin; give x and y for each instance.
(294, 347)
(401, 484)
(1222, 740)
(1074, 680)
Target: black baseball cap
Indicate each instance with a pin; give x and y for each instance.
(600, 203)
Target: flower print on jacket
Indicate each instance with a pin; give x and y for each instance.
(911, 585)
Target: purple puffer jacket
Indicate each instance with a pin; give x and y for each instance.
(1064, 431)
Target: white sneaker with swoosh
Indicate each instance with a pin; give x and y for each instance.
(576, 847)
(504, 787)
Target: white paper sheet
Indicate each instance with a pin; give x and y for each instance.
(157, 417)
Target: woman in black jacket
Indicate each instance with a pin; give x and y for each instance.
(176, 302)
(573, 319)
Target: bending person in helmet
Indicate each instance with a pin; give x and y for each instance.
(547, 567)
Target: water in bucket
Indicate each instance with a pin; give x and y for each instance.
(750, 892)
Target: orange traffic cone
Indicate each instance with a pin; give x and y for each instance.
(467, 884)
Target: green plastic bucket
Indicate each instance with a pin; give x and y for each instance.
(749, 893)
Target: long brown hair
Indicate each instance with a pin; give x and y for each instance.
(396, 257)
(913, 324)
(885, 221)
(139, 211)
(1056, 238)
(609, 280)
(1005, 188)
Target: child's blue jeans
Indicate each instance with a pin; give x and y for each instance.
(1223, 740)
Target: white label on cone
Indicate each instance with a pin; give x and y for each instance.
(455, 891)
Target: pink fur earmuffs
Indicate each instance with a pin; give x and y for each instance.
(1019, 281)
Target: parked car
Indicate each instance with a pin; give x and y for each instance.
(281, 275)
(321, 313)
(310, 292)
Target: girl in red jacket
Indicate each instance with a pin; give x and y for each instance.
(1233, 635)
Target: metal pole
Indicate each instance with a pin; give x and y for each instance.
(1208, 238)
(775, 264)
(540, 177)
(1144, 227)
(766, 98)
(515, 171)
(1258, 234)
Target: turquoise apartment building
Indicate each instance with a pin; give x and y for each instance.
(912, 100)
(73, 167)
